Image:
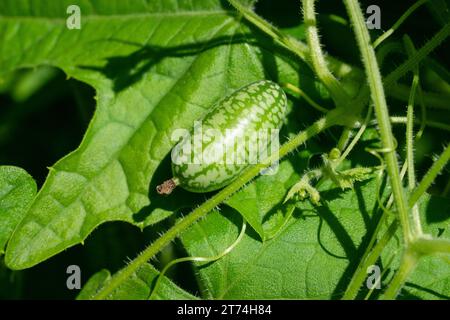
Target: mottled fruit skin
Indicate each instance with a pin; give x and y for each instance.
(258, 106)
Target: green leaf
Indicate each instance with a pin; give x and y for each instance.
(347, 178)
(156, 67)
(94, 283)
(309, 258)
(429, 281)
(137, 287)
(312, 257)
(17, 190)
(431, 278)
(259, 201)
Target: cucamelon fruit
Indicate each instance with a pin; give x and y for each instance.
(236, 132)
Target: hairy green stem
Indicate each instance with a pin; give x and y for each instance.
(370, 258)
(431, 99)
(381, 111)
(446, 191)
(345, 137)
(297, 47)
(317, 57)
(431, 246)
(430, 123)
(391, 79)
(397, 24)
(360, 274)
(410, 121)
(198, 259)
(308, 99)
(410, 137)
(301, 50)
(357, 136)
(419, 55)
(407, 265)
(334, 117)
(385, 271)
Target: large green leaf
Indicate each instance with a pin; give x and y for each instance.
(156, 66)
(429, 281)
(260, 201)
(313, 256)
(17, 190)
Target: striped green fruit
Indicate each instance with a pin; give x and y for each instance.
(238, 131)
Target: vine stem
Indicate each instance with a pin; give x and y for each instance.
(307, 98)
(381, 111)
(334, 117)
(429, 123)
(418, 56)
(410, 118)
(431, 246)
(407, 265)
(358, 135)
(373, 250)
(301, 50)
(317, 57)
(198, 259)
(409, 46)
(344, 139)
(397, 24)
(402, 92)
(370, 259)
(429, 177)
(297, 47)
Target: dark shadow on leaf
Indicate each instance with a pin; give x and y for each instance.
(335, 225)
(236, 219)
(313, 214)
(405, 294)
(319, 229)
(371, 221)
(362, 206)
(124, 71)
(353, 253)
(359, 155)
(269, 63)
(230, 214)
(127, 70)
(368, 218)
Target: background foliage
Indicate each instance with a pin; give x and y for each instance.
(88, 114)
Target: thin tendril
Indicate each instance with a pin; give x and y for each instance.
(358, 134)
(397, 24)
(198, 259)
(307, 98)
